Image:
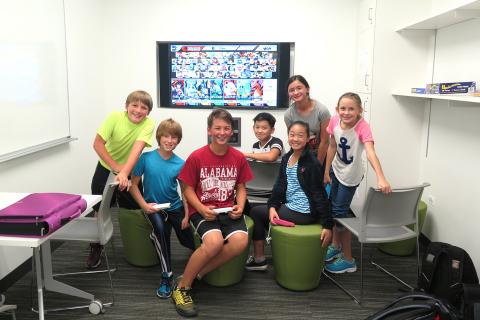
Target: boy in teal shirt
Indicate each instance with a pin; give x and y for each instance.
(160, 169)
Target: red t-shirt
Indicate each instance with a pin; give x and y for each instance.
(215, 177)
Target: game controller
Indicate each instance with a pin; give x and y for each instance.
(284, 223)
(222, 210)
(162, 205)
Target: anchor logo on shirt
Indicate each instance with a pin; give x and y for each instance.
(343, 145)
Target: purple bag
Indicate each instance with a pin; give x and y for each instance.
(39, 214)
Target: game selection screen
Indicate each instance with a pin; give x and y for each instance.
(231, 75)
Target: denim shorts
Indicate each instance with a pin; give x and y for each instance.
(341, 197)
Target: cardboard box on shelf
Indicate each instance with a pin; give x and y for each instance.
(457, 87)
(418, 90)
(432, 88)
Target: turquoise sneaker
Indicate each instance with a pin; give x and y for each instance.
(165, 289)
(341, 266)
(332, 253)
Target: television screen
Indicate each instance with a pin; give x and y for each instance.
(229, 75)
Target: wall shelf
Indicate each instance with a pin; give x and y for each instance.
(447, 18)
(449, 97)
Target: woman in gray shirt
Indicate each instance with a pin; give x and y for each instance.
(303, 108)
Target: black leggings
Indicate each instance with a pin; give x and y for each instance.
(124, 198)
(260, 216)
(162, 223)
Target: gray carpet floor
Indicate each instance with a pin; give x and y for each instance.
(257, 296)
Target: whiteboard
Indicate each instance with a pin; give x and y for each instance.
(33, 75)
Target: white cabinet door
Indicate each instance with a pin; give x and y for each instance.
(364, 67)
(361, 193)
(365, 42)
(366, 14)
(359, 197)
(366, 105)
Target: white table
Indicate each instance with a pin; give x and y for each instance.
(42, 253)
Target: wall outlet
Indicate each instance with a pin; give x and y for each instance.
(431, 200)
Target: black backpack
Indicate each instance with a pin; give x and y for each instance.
(471, 302)
(414, 306)
(445, 268)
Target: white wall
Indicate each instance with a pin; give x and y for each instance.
(454, 147)
(399, 60)
(130, 48)
(445, 5)
(69, 167)
(421, 141)
(66, 168)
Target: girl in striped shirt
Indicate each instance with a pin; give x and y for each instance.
(297, 196)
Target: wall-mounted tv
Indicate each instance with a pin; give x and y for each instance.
(235, 75)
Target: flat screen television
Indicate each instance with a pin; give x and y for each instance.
(234, 75)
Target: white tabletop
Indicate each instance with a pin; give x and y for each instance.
(8, 198)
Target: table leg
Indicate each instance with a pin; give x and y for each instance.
(39, 273)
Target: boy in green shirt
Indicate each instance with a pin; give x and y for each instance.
(119, 142)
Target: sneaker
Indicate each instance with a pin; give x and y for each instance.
(165, 289)
(332, 253)
(252, 265)
(95, 257)
(183, 302)
(341, 265)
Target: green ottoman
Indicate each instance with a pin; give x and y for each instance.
(298, 256)
(231, 272)
(406, 247)
(135, 231)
